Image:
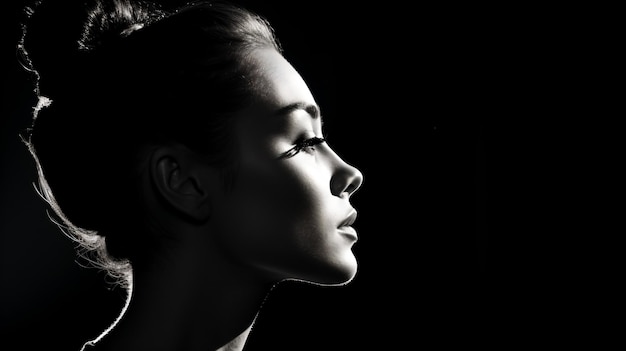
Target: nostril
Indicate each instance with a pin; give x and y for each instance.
(354, 182)
(350, 189)
(346, 180)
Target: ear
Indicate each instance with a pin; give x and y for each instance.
(183, 181)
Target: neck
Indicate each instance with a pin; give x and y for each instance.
(189, 300)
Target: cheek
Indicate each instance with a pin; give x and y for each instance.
(285, 198)
(277, 216)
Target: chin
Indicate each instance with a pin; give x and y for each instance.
(345, 276)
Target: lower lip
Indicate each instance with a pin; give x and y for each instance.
(348, 232)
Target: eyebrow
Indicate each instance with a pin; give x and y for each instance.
(312, 110)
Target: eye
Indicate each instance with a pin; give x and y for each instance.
(307, 145)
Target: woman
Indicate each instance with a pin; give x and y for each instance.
(186, 155)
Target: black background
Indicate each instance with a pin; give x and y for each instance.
(406, 92)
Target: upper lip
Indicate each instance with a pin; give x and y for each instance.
(350, 219)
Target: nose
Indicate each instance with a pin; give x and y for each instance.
(346, 180)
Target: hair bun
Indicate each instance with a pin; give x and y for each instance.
(58, 34)
(48, 41)
(109, 21)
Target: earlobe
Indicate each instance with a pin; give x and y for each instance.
(181, 181)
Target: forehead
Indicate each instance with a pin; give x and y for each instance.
(278, 83)
(279, 91)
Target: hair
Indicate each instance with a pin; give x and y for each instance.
(130, 76)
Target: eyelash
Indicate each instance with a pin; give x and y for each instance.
(301, 145)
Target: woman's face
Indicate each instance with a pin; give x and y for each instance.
(289, 214)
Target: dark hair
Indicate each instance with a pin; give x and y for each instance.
(136, 75)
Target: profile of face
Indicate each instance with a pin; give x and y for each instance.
(195, 252)
(289, 214)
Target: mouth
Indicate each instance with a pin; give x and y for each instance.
(349, 220)
(345, 228)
